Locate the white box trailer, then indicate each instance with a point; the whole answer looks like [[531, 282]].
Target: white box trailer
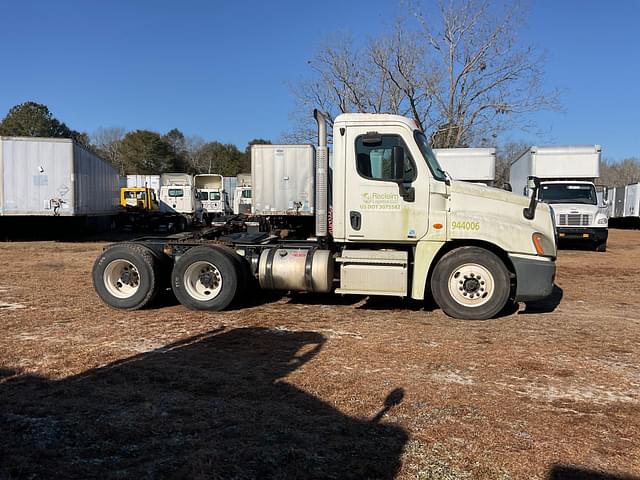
[[579, 162], [282, 179], [477, 165], [150, 181], [632, 200], [55, 176], [566, 176]]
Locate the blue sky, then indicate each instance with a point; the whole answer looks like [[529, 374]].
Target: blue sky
[[220, 70]]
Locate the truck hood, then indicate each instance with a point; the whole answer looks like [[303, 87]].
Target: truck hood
[[483, 191], [496, 216]]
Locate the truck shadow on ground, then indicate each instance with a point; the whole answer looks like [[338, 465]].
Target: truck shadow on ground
[[213, 406], [547, 305], [569, 472]]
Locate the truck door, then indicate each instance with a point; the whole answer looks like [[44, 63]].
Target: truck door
[[378, 208]]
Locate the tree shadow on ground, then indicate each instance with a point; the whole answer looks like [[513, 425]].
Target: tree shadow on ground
[[570, 472], [213, 406], [546, 305]]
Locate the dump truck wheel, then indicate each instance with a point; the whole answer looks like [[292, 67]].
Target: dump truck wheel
[[471, 283], [126, 277], [206, 278]]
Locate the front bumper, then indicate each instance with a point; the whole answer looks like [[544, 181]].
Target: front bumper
[[597, 235], [534, 277]]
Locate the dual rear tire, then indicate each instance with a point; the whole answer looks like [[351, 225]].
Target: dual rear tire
[[209, 277]]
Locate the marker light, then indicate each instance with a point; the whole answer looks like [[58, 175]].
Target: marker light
[[537, 242]]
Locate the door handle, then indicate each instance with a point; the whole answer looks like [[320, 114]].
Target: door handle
[[356, 220]]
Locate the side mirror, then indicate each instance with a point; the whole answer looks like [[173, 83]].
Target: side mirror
[[533, 185], [398, 163]]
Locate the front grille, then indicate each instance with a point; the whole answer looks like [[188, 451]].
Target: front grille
[[573, 219]]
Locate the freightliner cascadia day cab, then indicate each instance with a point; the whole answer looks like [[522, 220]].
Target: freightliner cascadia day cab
[[384, 220], [566, 177]]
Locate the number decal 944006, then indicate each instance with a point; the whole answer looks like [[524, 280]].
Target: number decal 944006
[[465, 225]]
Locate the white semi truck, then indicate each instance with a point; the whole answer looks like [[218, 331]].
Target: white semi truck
[[242, 201], [211, 193], [399, 227], [178, 195], [567, 176], [476, 165]]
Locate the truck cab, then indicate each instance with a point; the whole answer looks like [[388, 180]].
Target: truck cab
[[139, 199], [214, 200], [567, 174], [389, 190], [578, 213]]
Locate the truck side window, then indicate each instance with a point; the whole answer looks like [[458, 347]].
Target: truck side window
[[376, 162]]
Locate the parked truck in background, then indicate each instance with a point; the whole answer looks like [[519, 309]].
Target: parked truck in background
[[476, 165], [211, 193], [242, 201], [399, 227], [178, 195], [567, 175]]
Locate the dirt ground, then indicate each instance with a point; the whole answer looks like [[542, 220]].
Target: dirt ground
[[306, 386]]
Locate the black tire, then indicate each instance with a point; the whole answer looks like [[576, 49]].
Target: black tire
[[601, 247], [472, 299], [242, 268], [219, 278], [143, 270]]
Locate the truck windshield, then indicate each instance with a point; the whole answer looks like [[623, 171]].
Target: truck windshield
[[568, 193], [429, 157], [176, 192], [246, 194]]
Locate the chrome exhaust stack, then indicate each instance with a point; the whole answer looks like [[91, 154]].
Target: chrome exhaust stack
[[322, 168]]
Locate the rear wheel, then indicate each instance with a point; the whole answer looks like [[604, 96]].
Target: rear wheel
[[126, 276], [206, 278], [471, 283]]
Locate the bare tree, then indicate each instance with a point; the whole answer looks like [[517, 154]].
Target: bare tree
[[108, 142], [458, 71], [617, 174]]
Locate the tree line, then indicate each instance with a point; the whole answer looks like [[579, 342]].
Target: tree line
[[142, 152]]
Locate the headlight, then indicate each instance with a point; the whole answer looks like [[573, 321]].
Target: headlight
[[603, 221]]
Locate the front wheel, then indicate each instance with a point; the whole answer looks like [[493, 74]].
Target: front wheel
[[471, 283]]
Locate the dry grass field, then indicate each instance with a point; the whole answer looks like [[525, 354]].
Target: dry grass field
[[306, 386]]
